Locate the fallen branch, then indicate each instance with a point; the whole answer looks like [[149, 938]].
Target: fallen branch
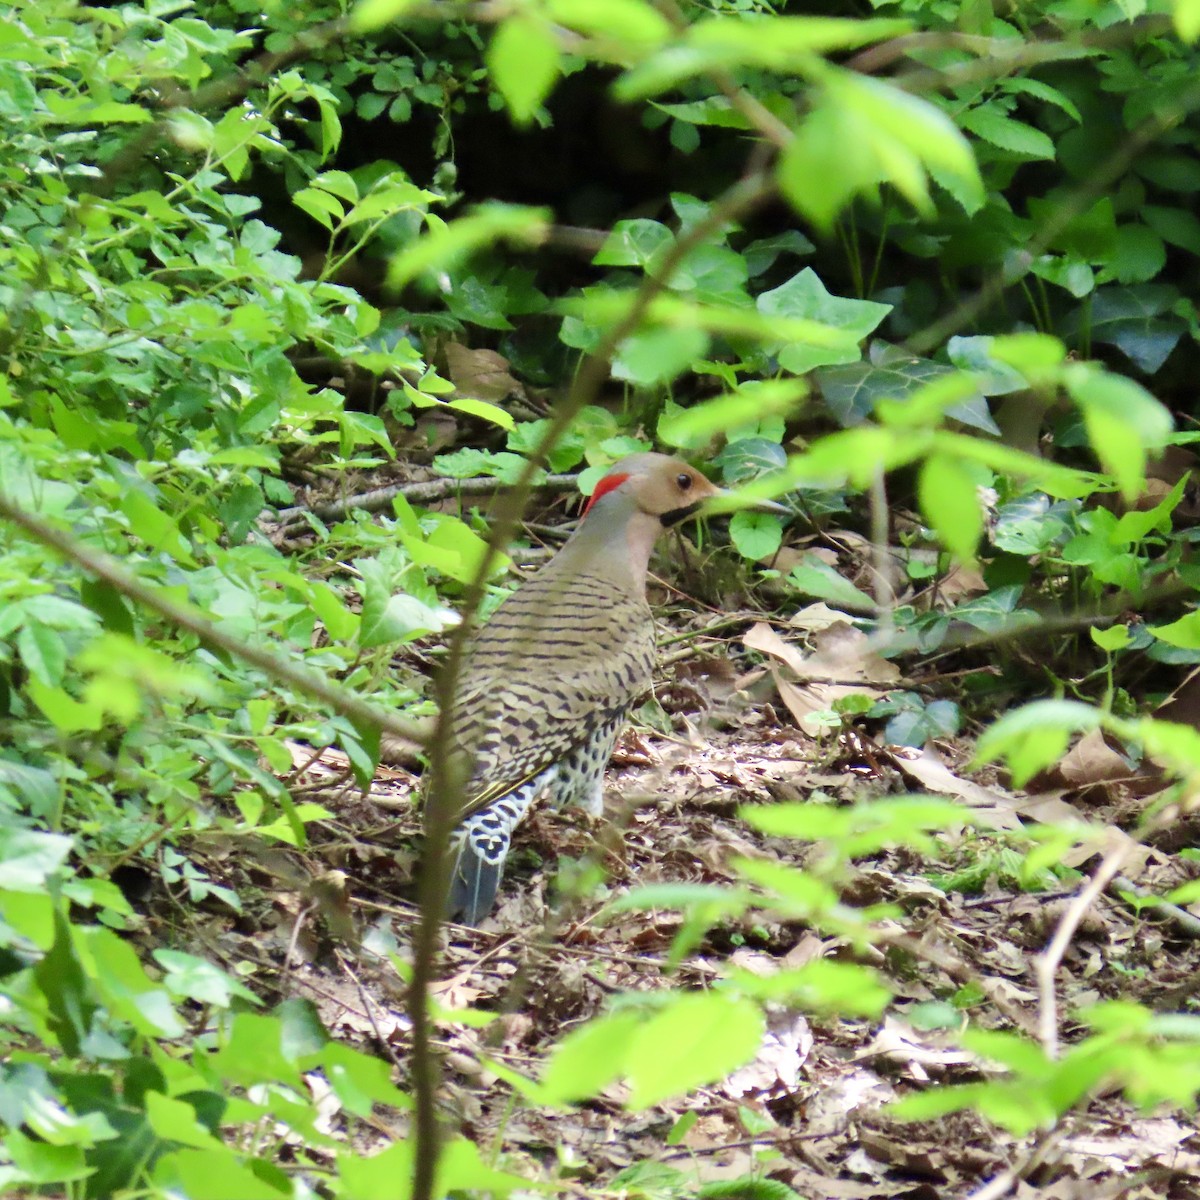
[[429, 491]]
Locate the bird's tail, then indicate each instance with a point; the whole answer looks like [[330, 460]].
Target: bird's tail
[[480, 846], [478, 859]]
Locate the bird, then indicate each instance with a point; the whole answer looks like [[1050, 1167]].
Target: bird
[[548, 681]]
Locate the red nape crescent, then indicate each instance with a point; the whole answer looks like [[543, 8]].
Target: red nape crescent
[[606, 485]]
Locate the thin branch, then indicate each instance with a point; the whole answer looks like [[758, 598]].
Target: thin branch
[[428, 491], [103, 566], [441, 799]]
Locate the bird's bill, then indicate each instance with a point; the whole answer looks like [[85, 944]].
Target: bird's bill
[[726, 501]]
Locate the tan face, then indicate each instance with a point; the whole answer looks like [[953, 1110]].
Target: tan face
[[668, 486]]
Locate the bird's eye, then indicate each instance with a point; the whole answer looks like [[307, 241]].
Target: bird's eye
[[684, 481]]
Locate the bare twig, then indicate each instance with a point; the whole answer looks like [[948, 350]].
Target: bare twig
[[1046, 964], [1184, 922]]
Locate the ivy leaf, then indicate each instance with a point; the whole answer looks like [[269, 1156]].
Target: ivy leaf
[[806, 297], [633, 243], [1137, 320], [853, 391]]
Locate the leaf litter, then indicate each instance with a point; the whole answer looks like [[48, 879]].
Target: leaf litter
[[809, 1111]]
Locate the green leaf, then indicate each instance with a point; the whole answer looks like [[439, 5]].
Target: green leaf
[[1124, 422], [523, 59], [1184, 632], [819, 580], [359, 1080], [43, 652], [121, 980], [805, 296], [696, 1039], [219, 1174], [994, 127], [319, 205], [629, 22], [903, 390], [788, 44], [388, 617], [658, 355], [69, 1000], [588, 1059], [1186, 15], [695, 426], [1114, 638], [862, 133], [1138, 255], [41, 1163], [197, 979], [176, 1121], [28, 859], [369, 15], [1179, 226], [254, 1053], [950, 501], [756, 535], [1034, 736], [633, 243], [1137, 320], [447, 245]]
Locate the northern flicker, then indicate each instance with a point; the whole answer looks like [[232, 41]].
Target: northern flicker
[[548, 682]]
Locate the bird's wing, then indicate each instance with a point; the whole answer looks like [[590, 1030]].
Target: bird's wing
[[553, 664]]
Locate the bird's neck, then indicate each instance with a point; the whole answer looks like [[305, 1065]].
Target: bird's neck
[[614, 540]]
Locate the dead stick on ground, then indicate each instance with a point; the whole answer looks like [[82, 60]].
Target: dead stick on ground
[[428, 491], [1046, 964]]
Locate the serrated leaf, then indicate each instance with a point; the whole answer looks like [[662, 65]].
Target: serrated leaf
[[1015, 136], [696, 1039]]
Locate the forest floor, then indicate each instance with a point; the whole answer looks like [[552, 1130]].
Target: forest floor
[[810, 1110]]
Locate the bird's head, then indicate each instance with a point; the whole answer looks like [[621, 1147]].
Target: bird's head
[[656, 485]]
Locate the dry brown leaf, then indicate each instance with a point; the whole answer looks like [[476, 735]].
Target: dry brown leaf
[[926, 766], [483, 374], [961, 583], [1091, 761], [816, 616], [839, 659]]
